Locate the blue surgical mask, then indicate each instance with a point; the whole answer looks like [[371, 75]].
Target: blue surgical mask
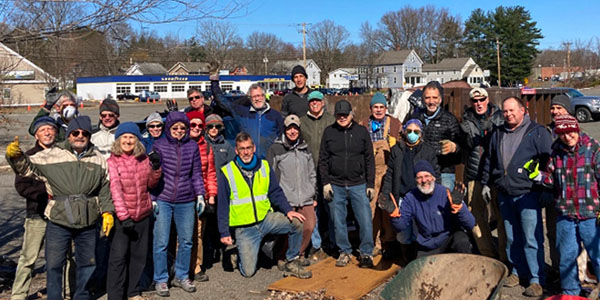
[[412, 137]]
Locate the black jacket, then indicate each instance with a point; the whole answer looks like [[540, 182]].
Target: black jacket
[[34, 191], [346, 156], [294, 103], [444, 126], [475, 136]]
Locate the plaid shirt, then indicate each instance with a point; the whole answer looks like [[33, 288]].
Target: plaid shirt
[[574, 174], [376, 135]]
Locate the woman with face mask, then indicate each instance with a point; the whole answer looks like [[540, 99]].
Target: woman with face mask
[[64, 104]]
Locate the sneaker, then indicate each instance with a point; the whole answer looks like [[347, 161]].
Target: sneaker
[[533, 290], [162, 289], [511, 281], [343, 260], [201, 276], [185, 284], [295, 268], [318, 254], [366, 261]]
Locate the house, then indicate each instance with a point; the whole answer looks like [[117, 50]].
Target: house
[[146, 69], [284, 67], [461, 68], [190, 68], [340, 78], [393, 69], [22, 82]]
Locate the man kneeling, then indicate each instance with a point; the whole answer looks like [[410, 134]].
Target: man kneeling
[[253, 189], [440, 223]]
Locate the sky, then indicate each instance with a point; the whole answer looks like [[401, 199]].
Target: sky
[[559, 20]]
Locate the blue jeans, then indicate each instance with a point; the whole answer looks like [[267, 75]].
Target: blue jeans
[[248, 239], [58, 241], [569, 235], [357, 195], [524, 234], [315, 238], [448, 180], [183, 214]]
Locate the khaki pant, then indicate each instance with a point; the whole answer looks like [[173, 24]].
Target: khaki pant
[[33, 240], [481, 231], [382, 227], [197, 249]]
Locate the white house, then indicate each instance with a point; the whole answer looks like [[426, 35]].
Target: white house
[[393, 69], [340, 78], [146, 69], [284, 67], [455, 69]]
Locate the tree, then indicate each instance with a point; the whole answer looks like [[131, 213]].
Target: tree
[[260, 45], [218, 40], [326, 41]]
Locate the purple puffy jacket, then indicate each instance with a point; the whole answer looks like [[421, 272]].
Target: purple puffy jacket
[[181, 165]]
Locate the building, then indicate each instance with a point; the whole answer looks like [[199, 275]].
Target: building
[[461, 68], [23, 82], [393, 69], [170, 86], [284, 67], [341, 78], [146, 69], [190, 68]]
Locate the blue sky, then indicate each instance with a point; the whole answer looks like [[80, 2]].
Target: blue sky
[[558, 20]]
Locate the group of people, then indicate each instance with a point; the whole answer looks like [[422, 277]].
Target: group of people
[[136, 202]]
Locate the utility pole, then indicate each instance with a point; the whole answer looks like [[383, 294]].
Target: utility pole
[[304, 43], [568, 45], [266, 61], [498, 57]]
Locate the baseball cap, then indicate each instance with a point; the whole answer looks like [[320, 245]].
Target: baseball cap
[[478, 93], [291, 120]]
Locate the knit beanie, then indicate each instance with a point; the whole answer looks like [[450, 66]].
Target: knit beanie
[[565, 124], [111, 105], [299, 70], [563, 101], [81, 122], [213, 118], [128, 127], [378, 98], [413, 121], [154, 117], [424, 166], [194, 114], [45, 120]]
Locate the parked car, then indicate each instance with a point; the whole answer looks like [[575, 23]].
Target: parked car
[[235, 93], [147, 95], [126, 96], [586, 108]]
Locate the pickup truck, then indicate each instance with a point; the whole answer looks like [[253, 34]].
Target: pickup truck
[[147, 95], [586, 108]]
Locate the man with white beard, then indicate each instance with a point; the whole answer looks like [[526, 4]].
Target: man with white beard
[[440, 222]]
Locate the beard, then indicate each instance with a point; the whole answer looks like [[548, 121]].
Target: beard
[[426, 189]]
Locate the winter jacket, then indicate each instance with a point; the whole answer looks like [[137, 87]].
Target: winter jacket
[[104, 138], [223, 151], [209, 174], [295, 170], [514, 180], [34, 191], [574, 175], [181, 164], [275, 195], [475, 134], [62, 125], [312, 131], [433, 217], [346, 156], [294, 103], [443, 126], [131, 178], [264, 126], [83, 178]]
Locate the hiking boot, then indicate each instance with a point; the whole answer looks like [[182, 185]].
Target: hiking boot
[[303, 262], [162, 289], [343, 260], [295, 268], [365, 261], [318, 254], [511, 281], [201, 276], [185, 284], [533, 290]]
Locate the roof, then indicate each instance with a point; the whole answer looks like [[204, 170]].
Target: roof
[[469, 70], [192, 66], [285, 66], [393, 57], [12, 52], [181, 78], [346, 70], [148, 68], [447, 64]]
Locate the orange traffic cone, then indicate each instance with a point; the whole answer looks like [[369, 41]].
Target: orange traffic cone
[[153, 101], [81, 104], [28, 107]]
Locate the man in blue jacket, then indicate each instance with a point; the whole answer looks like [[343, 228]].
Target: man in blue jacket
[[514, 150], [441, 224]]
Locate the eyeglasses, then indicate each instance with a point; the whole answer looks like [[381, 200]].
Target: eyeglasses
[[217, 126], [108, 115], [417, 131], [478, 100], [258, 96], [155, 126], [178, 128], [195, 98], [194, 125], [84, 133]]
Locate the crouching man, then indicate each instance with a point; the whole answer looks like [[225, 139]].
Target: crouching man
[[441, 223], [252, 190]]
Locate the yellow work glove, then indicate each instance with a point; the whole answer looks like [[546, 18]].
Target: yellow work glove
[[108, 221], [13, 150], [533, 167]]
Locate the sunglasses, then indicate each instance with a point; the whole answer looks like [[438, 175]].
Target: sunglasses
[[415, 131], [178, 128], [478, 100], [107, 115], [194, 125], [82, 132], [195, 98], [155, 126], [211, 126]]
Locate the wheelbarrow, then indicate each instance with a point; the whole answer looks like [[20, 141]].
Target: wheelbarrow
[[448, 277]]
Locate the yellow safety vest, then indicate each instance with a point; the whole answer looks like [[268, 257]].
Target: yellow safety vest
[[247, 206]]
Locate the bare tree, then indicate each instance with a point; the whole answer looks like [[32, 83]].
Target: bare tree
[[261, 45], [326, 41], [218, 40]]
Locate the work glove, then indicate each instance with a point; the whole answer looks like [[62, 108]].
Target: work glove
[[155, 208], [200, 205], [384, 202], [370, 193], [108, 221], [127, 226], [328, 192], [172, 105], [154, 158], [448, 146], [210, 209], [598, 220], [213, 77], [486, 193], [51, 98], [456, 202], [13, 150], [533, 167]]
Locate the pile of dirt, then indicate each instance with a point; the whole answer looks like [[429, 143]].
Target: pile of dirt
[[320, 295]]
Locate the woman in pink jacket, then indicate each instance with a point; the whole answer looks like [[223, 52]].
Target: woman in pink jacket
[[132, 174]]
